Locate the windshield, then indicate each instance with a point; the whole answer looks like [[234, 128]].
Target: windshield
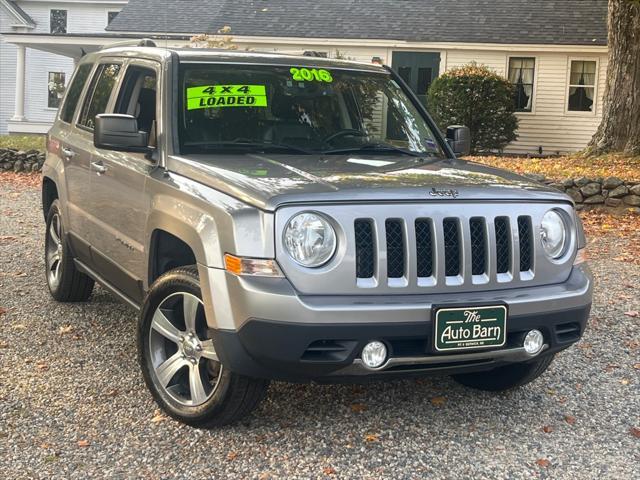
[[301, 110]]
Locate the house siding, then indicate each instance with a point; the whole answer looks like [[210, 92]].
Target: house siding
[[81, 18], [7, 76], [549, 125]]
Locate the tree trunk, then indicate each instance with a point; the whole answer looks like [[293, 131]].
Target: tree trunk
[[619, 130]]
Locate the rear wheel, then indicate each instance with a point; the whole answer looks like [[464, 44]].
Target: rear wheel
[[507, 377], [66, 283], [179, 362]]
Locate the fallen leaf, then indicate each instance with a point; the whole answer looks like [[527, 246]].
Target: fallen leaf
[[42, 366], [611, 367], [372, 437], [438, 401], [543, 462], [632, 313], [112, 393], [3, 311], [158, 418], [358, 407], [547, 429], [625, 381], [571, 420], [67, 329], [232, 456], [329, 471], [83, 443], [636, 366], [635, 431]]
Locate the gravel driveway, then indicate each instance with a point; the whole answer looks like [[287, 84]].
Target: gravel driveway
[[73, 403]]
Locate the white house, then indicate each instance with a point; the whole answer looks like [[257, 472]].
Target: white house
[[554, 51], [33, 77]]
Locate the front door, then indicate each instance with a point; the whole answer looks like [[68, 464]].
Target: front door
[[417, 69], [120, 202]]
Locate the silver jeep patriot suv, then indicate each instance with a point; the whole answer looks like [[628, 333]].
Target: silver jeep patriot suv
[[292, 218]]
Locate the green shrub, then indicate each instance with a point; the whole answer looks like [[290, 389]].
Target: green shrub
[[23, 142], [474, 96]]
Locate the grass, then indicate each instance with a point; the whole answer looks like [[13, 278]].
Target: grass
[[570, 166], [23, 142]]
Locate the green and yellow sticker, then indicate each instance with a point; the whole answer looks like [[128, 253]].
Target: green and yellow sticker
[[219, 96]]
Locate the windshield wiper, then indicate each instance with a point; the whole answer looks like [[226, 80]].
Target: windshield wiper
[[376, 147], [252, 145]]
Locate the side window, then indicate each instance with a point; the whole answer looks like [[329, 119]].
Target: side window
[[137, 97], [521, 75], [582, 85], [73, 94], [98, 95]]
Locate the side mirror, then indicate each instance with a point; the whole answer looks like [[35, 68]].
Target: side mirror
[[459, 139], [114, 131]]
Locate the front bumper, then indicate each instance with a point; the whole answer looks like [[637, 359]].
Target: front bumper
[[262, 328]]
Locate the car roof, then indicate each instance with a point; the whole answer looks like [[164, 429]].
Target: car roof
[[234, 56]]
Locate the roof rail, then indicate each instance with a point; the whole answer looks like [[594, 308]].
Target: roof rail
[[145, 42]]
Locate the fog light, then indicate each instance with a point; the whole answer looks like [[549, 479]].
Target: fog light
[[374, 354], [533, 342]]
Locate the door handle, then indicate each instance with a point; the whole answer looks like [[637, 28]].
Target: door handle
[[99, 167], [68, 153]]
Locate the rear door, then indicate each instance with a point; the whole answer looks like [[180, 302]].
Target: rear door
[[75, 166], [96, 100], [120, 204]]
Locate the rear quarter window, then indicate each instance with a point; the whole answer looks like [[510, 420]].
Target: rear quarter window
[[99, 93], [73, 94]]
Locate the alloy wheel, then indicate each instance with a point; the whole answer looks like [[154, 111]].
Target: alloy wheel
[[184, 361]]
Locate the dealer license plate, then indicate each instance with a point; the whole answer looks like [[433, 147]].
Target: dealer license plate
[[470, 328]]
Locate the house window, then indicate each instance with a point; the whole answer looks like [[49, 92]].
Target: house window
[[582, 85], [521, 74], [111, 17], [56, 87], [58, 22]]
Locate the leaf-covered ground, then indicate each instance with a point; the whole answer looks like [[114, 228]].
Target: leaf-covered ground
[[570, 166]]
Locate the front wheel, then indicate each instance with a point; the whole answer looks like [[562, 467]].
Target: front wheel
[[179, 362], [507, 377]]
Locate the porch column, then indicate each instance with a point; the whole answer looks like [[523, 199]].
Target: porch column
[[18, 115]]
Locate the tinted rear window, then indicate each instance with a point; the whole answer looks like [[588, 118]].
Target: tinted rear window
[[73, 94]]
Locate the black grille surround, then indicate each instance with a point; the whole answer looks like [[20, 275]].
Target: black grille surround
[[424, 247], [451, 246], [526, 243], [395, 248], [478, 246], [503, 245], [365, 248]]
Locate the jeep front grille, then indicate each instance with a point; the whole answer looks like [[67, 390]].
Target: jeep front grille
[[430, 248], [399, 253]]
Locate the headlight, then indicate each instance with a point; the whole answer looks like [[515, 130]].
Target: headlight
[[553, 234], [310, 239]]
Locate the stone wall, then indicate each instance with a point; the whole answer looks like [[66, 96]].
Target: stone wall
[[608, 192], [20, 161]]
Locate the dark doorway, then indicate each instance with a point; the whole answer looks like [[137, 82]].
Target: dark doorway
[[418, 69]]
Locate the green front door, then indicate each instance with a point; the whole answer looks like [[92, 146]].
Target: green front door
[[418, 69]]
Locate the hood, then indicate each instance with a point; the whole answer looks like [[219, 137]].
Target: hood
[[268, 181]]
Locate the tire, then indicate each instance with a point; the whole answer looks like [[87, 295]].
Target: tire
[[66, 283], [179, 363], [507, 377]]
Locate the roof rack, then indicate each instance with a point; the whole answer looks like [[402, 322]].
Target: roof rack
[[145, 42]]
